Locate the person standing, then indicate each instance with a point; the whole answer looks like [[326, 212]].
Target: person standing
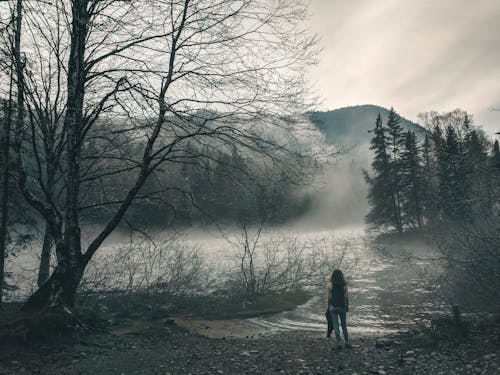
[[338, 306]]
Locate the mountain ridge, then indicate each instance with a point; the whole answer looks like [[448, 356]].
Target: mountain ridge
[[350, 126]]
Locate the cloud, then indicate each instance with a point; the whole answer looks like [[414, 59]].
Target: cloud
[[414, 55]]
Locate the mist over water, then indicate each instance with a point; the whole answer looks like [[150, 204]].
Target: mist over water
[[341, 201], [385, 295]]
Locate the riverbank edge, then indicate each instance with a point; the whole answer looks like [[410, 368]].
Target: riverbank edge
[[159, 346], [98, 311]]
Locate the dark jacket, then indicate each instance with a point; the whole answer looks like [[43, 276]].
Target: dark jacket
[[344, 304]]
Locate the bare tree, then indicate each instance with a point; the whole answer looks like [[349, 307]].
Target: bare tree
[[45, 101], [6, 122], [14, 67], [155, 74]]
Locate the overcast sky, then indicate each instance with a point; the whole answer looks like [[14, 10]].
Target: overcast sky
[[415, 55]]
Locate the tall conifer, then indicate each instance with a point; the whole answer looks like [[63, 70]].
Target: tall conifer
[[412, 182], [395, 144], [379, 192]]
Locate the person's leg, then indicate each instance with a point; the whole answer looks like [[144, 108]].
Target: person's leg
[[343, 321], [335, 322]]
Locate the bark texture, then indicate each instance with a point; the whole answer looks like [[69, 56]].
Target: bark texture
[[44, 269], [58, 291]]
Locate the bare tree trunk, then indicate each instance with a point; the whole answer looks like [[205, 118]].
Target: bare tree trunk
[[48, 240], [5, 200], [7, 146], [60, 288], [5, 190], [73, 122], [44, 269]]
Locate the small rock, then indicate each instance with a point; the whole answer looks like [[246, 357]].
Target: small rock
[[383, 343]]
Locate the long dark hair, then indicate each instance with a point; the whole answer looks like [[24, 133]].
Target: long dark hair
[[338, 278]]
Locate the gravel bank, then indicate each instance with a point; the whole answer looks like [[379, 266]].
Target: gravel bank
[[162, 347]]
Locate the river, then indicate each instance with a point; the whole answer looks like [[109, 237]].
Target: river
[[386, 295]]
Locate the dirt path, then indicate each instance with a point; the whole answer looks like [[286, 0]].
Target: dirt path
[[161, 347]]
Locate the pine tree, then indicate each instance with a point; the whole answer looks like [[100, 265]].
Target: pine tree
[[458, 173], [379, 193], [446, 158], [495, 157], [454, 183], [395, 146], [475, 166], [412, 182], [429, 208]]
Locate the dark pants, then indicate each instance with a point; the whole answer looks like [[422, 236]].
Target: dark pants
[[336, 313]]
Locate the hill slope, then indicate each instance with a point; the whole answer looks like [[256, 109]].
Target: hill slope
[[349, 126], [342, 200]]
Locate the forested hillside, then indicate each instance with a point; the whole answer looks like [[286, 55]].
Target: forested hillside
[[350, 126]]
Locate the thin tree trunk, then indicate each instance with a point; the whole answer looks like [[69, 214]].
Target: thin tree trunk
[[44, 269], [20, 113], [5, 191]]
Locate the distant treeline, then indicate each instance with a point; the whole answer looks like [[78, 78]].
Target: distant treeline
[[221, 186], [205, 184], [451, 175]]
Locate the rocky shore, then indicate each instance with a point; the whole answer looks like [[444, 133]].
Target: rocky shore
[[162, 347]]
